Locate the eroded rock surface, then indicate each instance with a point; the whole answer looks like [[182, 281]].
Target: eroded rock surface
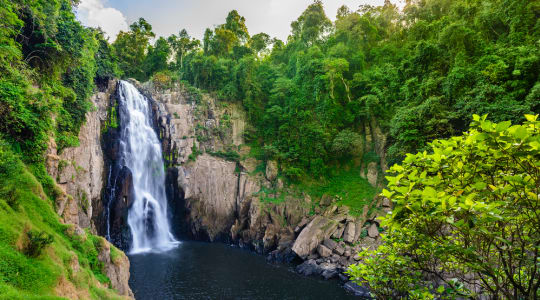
[[79, 170]]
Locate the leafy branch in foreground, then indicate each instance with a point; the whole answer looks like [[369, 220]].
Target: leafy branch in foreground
[[466, 218]]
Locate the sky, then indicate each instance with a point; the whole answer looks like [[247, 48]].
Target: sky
[[170, 16]]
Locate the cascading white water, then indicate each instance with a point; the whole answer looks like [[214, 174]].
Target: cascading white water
[[141, 150]]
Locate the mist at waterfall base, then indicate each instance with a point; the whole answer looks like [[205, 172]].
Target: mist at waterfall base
[[199, 270], [163, 268], [141, 153]]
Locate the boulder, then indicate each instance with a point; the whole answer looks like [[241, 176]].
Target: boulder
[[316, 231], [339, 250], [330, 244], [324, 251], [349, 234], [329, 270], [373, 231], [309, 267], [358, 229]]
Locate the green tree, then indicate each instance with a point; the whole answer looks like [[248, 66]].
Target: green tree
[[130, 47], [312, 25], [465, 220], [259, 42], [157, 57], [181, 45]]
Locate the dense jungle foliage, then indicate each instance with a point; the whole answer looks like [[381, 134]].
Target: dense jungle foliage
[[421, 73], [48, 65]]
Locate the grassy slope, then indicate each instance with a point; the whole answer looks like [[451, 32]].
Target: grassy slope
[[24, 206], [344, 183]]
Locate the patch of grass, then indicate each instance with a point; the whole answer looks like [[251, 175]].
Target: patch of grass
[[270, 195], [35, 222], [351, 189]]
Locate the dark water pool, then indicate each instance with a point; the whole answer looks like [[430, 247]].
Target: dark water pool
[[198, 270]]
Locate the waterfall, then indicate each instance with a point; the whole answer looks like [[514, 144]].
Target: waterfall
[[140, 150]]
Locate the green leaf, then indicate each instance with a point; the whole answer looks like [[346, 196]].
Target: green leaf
[[429, 192], [503, 126], [480, 185], [520, 132], [531, 118]]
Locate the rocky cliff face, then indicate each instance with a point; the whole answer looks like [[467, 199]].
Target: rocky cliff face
[[230, 198], [79, 173]]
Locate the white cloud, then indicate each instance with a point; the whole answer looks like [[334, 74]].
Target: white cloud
[[93, 13]]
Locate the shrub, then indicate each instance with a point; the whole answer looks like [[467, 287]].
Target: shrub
[[37, 241], [466, 215]]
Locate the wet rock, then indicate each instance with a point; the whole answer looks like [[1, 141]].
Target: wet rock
[[309, 267], [357, 290], [328, 270], [313, 256]]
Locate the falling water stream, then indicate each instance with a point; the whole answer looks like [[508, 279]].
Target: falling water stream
[[141, 151]]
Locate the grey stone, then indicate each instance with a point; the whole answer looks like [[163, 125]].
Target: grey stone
[[330, 244], [323, 251], [349, 233], [319, 228], [373, 231], [339, 250]]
